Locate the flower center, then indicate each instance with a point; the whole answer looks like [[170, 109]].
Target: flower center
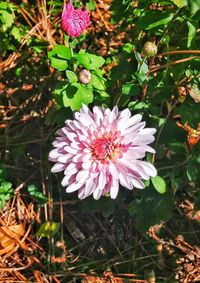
[[103, 149]]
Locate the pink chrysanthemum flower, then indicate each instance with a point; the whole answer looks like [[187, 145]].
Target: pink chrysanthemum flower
[[74, 21], [101, 149]]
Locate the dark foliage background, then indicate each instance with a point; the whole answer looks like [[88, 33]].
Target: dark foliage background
[[150, 235]]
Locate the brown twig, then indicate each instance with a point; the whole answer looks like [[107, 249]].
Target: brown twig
[[153, 70], [178, 52], [101, 16]]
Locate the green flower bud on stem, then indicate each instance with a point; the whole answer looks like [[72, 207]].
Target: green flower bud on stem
[[149, 49]]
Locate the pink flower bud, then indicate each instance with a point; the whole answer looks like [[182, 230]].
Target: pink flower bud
[[85, 76], [74, 21]]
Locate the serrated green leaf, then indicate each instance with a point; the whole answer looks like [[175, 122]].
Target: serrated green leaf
[[6, 186], [159, 184], [77, 94], [16, 33], [6, 192], [7, 19]]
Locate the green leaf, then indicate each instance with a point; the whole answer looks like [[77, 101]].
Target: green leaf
[[16, 33], [89, 61], [48, 229], [147, 183], [72, 77], [91, 6], [159, 184], [61, 51], [179, 3], [130, 89], [138, 106], [6, 186], [6, 192], [138, 57], [194, 6], [153, 19], [143, 68], [7, 16], [151, 208], [141, 77], [101, 97], [1, 203], [36, 195], [60, 90], [192, 171], [31, 188], [77, 94], [3, 5], [98, 82], [84, 60], [191, 32], [158, 121], [59, 56], [96, 61], [8, 20], [59, 64], [126, 88], [128, 47]]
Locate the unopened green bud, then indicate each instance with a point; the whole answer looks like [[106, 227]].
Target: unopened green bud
[[149, 49]]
